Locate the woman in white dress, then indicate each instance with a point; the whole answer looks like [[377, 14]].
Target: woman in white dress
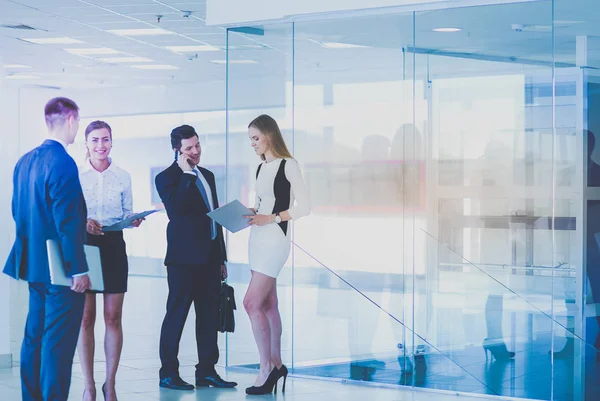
[[278, 183]]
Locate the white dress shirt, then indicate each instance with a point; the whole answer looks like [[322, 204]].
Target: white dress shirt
[[107, 194]]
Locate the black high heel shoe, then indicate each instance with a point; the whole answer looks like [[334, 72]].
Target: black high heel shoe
[[282, 372], [268, 385], [498, 350]]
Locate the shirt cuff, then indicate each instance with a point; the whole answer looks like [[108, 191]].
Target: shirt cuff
[[80, 274]]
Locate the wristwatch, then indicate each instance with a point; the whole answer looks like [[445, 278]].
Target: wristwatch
[[277, 218]]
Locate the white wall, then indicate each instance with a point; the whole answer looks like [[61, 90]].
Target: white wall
[[9, 143]]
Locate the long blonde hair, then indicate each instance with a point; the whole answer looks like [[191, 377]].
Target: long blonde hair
[[268, 127]]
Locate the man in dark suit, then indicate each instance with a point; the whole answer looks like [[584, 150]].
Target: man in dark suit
[[195, 262], [47, 204]]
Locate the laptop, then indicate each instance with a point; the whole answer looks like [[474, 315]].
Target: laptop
[[57, 272]]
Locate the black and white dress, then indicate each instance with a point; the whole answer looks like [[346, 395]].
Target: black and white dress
[[278, 184], [109, 199]]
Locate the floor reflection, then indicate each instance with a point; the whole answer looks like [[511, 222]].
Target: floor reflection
[[528, 375]]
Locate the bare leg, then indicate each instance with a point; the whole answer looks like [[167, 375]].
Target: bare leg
[[85, 347], [271, 309], [113, 340], [258, 290]]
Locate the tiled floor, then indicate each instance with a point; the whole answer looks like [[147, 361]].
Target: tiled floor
[[321, 351], [137, 384]]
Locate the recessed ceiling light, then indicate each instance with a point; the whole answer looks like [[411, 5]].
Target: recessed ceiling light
[[193, 48], [338, 45], [446, 29], [234, 61], [95, 51], [124, 59], [52, 41], [22, 76], [141, 32], [16, 66], [155, 67]]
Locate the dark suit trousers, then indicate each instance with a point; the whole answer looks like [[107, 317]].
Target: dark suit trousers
[[199, 284], [51, 333]]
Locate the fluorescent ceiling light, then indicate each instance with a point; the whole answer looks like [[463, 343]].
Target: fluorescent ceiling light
[[446, 29], [95, 51], [155, 67], [52, 41], [234, 61], [124, 59], [338, 45], [141, 32], [16, 66], [240, 47], [194, 48], [22, 76]]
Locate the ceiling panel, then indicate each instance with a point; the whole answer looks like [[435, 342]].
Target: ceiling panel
[[485, 31]]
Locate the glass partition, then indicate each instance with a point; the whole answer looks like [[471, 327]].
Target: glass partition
[[355, 129], [260, 76], [441, 150]]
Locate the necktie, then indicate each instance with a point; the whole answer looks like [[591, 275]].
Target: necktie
[[213, 226]]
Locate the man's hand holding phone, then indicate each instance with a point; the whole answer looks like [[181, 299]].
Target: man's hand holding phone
[[184, 162]]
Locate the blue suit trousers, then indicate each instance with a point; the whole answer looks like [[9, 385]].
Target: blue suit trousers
[[51, 334]]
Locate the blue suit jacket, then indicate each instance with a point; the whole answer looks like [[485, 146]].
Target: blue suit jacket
[[47, 204], [188, 232]]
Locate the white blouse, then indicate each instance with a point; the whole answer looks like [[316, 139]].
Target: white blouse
[[107, 194]]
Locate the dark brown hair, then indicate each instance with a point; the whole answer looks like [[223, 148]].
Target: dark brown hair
[[268, 127]]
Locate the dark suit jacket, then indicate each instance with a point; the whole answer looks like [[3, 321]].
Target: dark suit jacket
[[47, 204], [188, 232]]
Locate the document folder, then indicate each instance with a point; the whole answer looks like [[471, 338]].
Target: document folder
[[231, 216], [57, 270], [123, 224]]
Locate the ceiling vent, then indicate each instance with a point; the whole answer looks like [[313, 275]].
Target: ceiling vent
[[22, 27]]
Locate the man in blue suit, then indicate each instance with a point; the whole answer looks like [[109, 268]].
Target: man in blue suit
[[47, 204]]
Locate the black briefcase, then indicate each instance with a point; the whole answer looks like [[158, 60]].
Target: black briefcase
[[226, 308]]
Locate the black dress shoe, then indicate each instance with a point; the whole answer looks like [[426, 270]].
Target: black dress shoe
[[214, 380], [175, 383]]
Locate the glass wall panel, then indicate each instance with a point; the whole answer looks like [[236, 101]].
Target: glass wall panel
[[490, 204], [356, 126], [450, 244], [260, 72], [577, 56]]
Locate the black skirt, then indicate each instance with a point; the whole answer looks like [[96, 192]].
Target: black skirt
[[113, 257]]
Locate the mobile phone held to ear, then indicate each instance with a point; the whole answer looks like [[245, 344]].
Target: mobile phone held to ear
[[177, 153]]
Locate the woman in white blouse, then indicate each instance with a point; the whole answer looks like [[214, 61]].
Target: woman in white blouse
[[108, 196], [280, 197]]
